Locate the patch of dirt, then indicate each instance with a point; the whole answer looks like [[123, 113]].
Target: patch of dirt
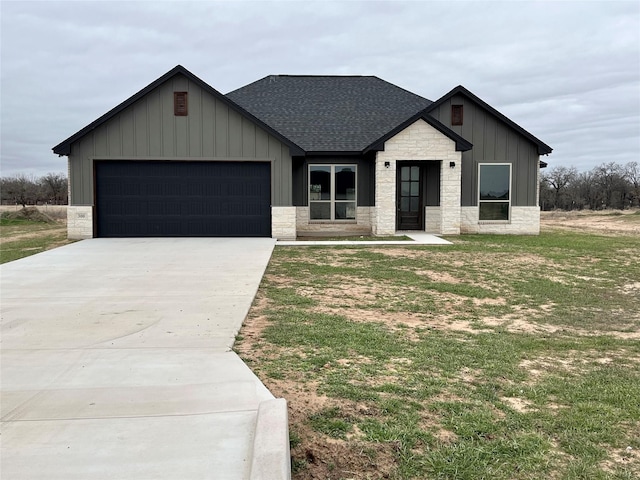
[[607, 222], [520, 405], [438, 276], [626, 458], [320, 457], [631, 288]]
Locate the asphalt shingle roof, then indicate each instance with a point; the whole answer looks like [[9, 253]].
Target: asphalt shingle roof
[[329, 113]]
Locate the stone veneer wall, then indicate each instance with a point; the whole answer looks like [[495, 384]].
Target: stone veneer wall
[[283, 223], [79, 222], [524, 221], [432, 219], [419, 141], [362, 225]]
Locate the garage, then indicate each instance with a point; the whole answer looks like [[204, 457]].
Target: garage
[[182, 199]]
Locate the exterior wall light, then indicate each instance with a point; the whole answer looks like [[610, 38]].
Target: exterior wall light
[[387, 164], [452, 164]]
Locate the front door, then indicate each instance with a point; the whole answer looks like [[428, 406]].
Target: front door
[[410, 204]]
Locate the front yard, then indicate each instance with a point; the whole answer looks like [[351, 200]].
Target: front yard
[[499, 357]]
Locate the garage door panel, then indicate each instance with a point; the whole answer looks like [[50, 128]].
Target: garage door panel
[[157, 198]]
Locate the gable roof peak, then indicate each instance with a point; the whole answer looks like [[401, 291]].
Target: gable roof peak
[[64, 147], [543, 148]]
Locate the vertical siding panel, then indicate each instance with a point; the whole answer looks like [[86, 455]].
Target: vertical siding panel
[[248, 138], [208, 126], [512, 157], [478, 126], [221, 130], [235, 134], [501, 151], [489, 138], [115, 140], [155, 124], [195, 121], [277, 180], [141, 120], [262, 143], [167, 125], [127, 132], [286, 161], [100, 142]]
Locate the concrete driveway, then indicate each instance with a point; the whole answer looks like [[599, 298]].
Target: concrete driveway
[[116, 362]]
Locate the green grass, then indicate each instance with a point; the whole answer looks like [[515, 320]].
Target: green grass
[[543, 381], [22, 238]]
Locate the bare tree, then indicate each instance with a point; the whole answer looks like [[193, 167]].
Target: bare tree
[[612, 184], [55, 188], [21, 189], [557, 181], [632, 174]]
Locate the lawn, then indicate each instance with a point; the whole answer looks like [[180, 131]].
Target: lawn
[[20, 238], [499, 357]]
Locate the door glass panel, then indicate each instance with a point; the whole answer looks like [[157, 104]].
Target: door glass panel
[[404, 204], [405, 173], [405, 188], [415, 189], [414, 204], [415, 173]]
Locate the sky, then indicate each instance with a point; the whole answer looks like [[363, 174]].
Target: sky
[[566, 71]]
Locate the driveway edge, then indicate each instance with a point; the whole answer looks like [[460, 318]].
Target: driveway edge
[[271, 454]]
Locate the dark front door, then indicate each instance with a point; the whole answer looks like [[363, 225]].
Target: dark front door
[[409, 202]]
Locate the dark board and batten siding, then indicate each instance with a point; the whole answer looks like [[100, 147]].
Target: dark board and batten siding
[[148, 130], [493, 142]]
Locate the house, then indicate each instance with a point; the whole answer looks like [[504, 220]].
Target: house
[[290, 156]]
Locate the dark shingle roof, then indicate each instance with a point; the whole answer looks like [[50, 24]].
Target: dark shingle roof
[[329, 113]]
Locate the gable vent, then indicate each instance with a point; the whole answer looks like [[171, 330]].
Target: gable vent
[[180, 104], [456, 114]]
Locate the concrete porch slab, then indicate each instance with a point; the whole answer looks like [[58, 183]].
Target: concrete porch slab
[[418, 238]]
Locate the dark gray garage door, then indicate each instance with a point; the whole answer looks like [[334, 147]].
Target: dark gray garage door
[[183, 199]]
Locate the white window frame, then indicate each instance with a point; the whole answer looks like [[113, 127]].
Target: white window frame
[[332, 188], [508, 220]]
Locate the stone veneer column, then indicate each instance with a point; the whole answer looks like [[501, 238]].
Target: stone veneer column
[[450, 186], [419, 141], [283, 223], [79, 222]]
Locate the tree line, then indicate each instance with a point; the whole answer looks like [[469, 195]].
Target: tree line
[[24, 190], [609, 185]]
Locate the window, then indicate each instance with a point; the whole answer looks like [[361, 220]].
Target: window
[[180, 104], [456, 114], [332, 192], [494, 191]]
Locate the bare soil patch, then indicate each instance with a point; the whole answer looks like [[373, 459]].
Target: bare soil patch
[[606, 222]]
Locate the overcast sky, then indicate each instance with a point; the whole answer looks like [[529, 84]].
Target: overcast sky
[[568, 72]]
